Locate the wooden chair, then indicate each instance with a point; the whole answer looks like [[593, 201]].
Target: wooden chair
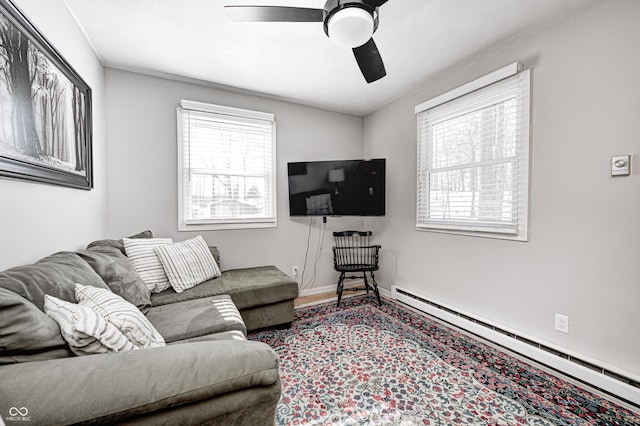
[[354, 253]]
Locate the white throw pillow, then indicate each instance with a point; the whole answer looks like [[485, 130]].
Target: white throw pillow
[[123, 315], [188, 263], [140, 252], [86, 331]]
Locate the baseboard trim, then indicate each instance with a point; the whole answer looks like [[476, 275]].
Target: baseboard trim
[[384, 292], [332, 289], [619, 384]]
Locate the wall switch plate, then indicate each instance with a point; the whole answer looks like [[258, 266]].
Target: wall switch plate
[[562, 323], [621, 165], [294, 271]]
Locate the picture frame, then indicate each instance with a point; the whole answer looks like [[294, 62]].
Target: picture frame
[[45, 108]]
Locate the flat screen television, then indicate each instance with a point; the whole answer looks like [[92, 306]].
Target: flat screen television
[[337, 188]]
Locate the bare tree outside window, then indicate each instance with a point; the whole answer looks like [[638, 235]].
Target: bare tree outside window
[[473, 160], [227, 167]]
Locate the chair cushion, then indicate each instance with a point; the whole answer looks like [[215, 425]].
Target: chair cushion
[[195, 318], [248, 287]]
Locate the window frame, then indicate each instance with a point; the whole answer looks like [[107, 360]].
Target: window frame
[[517, 232], [233, 114]]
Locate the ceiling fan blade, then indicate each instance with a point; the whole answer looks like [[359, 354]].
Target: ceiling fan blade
[[273, 14], [375, 3], [370, 61]]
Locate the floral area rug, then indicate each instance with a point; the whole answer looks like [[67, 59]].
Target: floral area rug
[[361, 364]]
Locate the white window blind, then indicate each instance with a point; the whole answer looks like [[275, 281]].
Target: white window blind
[[226, 167], [473, 162]]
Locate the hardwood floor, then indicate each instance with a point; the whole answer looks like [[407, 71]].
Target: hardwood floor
[[325, 297]]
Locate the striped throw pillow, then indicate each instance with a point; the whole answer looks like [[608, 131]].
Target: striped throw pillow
[[188, 263], [123, 315], [85, 331], [140, 252]]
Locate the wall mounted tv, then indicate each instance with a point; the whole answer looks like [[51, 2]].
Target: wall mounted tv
[[337, 188]]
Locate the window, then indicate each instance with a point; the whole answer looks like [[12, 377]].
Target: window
[[226, 168], [473, 158]]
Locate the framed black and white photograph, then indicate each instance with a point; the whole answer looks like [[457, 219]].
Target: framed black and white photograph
[[45, 108]]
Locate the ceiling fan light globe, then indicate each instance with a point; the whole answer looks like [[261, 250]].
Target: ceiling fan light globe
[[350, 27]]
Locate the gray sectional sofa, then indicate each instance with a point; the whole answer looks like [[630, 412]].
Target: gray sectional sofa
[[208, 373]]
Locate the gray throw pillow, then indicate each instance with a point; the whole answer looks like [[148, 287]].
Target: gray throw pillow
[[119, 274], [24, 330], [216, 255], [118, 243], [55, 275]]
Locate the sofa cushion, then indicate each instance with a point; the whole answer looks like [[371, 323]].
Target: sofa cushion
[[123, 315], [223, 335], [195, 318], [85, 330], [248, 287], [118, 244], [126, 387], [25, 330], [187, 263], [7, 358], [56, 275], [141, 253], [118, 273], [258, 317]]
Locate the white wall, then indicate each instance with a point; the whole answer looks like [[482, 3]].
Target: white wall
[[142, 169], [583, 257], [37, 219]]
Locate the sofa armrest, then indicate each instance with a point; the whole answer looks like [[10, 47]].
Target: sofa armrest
[[110, 387]]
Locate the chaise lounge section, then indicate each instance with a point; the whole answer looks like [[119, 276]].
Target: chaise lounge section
[[264, 295]]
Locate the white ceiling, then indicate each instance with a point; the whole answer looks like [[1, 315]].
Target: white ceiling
[[418, 41]]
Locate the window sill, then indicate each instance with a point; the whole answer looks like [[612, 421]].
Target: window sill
[[482, 234], [225, 226]]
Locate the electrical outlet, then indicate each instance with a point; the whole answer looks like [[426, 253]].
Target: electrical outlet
[[294, 271], [562, 323]]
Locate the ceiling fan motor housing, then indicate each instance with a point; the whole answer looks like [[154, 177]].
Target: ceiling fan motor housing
[[332, 7]]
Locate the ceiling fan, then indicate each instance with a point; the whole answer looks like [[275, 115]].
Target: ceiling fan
[[347, 23]]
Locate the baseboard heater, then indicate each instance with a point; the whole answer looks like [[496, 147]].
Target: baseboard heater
[[614, 383]]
